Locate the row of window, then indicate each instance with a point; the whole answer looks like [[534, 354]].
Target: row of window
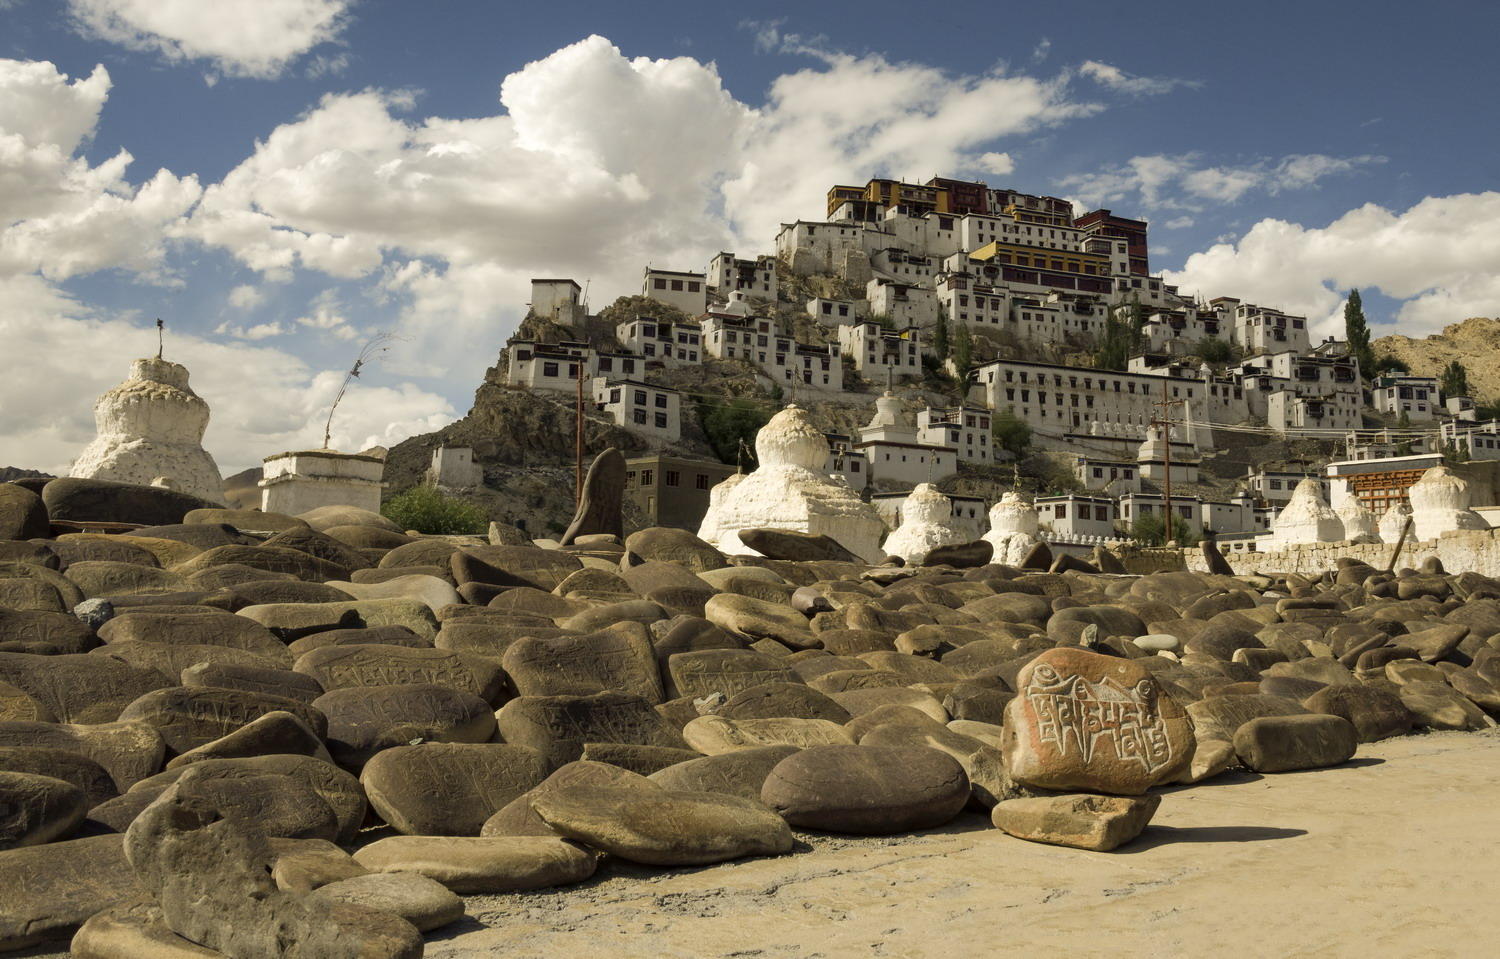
[[670, 477], [693, 286]]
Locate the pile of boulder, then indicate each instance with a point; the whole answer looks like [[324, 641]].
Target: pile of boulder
[[240, 733]]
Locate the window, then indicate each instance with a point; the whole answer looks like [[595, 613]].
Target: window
[[676, 286], [605, 364], [639, 397], [549, 369], [700, 482], [694, 286], [658, 284], [639, 418], [661, 400], [673, 477], [648, 477], [661, 421]]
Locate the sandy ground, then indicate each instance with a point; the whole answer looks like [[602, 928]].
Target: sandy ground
[[1392, 854]]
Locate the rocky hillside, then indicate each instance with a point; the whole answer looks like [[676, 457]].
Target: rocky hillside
[[1475, 343]]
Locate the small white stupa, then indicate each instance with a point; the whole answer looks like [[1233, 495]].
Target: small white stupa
[[1440, 504], [926, 523], [790, 490], [1013, 529], [1393, 520], [149, 427], [1306, 518], [1360, 525]]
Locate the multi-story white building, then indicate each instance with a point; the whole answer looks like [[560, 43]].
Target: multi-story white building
[[1056, 400], [672, 344], [686, 291], [1075, 515], [813, 246], [548, 366], [1114, 476], [833, 312], [904, 304], [895, 454], [557, 300], [780, 357], [966, 429], [1260, 329], [917, 269], [845, 462], [755, 278], [880, 355], [640, 407], [1416, 396], [1275, 486], [1327, 372], [1287, 410]]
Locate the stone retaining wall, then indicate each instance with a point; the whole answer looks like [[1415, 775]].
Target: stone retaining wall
[[1460, 551]]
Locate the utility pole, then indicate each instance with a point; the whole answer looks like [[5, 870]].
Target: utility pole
[[160, 326], [578, 438], [1165, 422]]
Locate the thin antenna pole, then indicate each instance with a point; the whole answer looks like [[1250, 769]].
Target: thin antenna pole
[[578, 439]]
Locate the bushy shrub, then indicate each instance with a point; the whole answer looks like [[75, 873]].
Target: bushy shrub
[[424, 509]]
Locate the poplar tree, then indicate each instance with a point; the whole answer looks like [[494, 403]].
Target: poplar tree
[[1357, 333]]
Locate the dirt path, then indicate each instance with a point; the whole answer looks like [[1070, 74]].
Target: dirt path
[[1392, 854]]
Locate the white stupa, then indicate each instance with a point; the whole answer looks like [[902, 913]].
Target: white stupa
[[926, 523], [1306, 518], [1392, 521], [1360, 525], [150, 427], [790, 490], [1440, 504], [1013, 529]]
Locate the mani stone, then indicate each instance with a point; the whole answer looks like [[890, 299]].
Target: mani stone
[[1217, 717], [128, 751], [191, 716], [476, 865], [600, 506], [272, 804], [794, 545], [208, 628], [212, 878], [133, 929], [350, 667], [618, 658], [1274, 744], [558, 726], [448, 789], [79, 688], [712, 735], [22, 515], [758, 619], [1375, 713], [49, 890], [667, 545], [782, 700], [1100, 823], [275, 733], [867, 790], [97, 500], [665, 828], [519, 819], [531, 566], [90, 777], [1082, 721], [364, 720], [425, 903], [644, 760], [37, 809], [303, 865], [228, 674], [727, 671], [739, 773]]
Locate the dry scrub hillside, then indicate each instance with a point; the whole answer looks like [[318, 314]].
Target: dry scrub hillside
[[1475, 343]]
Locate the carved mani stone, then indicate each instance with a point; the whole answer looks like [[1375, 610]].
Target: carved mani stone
[[599, 510], [1082, 721]]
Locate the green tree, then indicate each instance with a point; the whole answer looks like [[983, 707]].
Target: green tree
[[1387, 364], [1454, 380], [963, 351], [728, 424], [1214, 350], [942, 348], [1149, 529], [426, 510], [1011, 433], [1357, 332], [1122, 337]]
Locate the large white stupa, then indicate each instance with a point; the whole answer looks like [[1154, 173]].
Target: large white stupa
[[150, 428], [926, 523], [1440, 504], [790, 490], [1306, 518], [1013, 528]]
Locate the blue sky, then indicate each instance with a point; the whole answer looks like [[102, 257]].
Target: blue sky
[[354, 167]]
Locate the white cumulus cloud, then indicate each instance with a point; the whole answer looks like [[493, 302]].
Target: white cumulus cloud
[[1184, 182], [1438, 258], [253, 38], [1120, 81]]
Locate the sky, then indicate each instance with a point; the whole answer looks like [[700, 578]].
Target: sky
[[283, 180]]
